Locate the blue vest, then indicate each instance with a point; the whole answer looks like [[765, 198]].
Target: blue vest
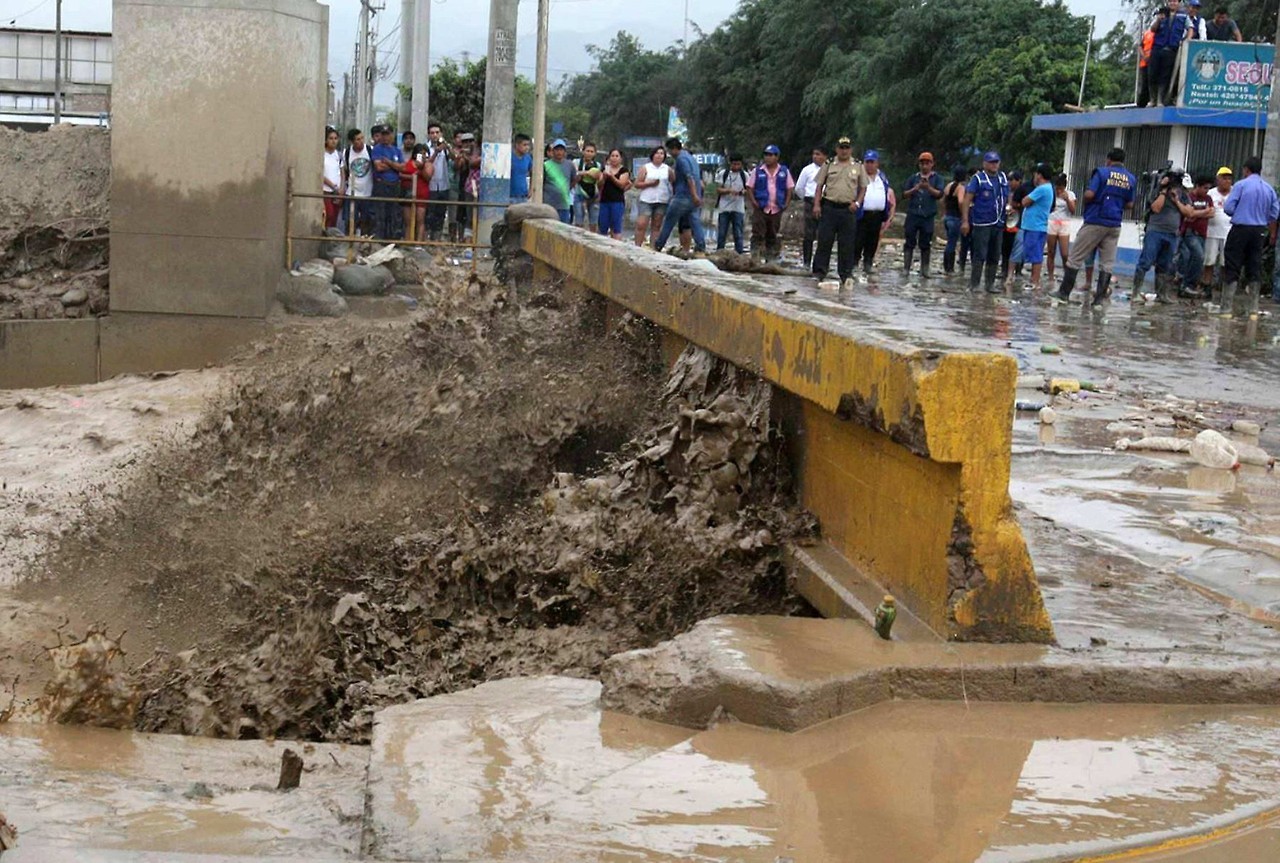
[[988, 198], [760, 188]]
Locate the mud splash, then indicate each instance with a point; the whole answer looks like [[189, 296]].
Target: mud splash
[[381, 515]]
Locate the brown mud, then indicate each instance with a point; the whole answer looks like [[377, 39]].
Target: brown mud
[[380, 512], [54, 222]]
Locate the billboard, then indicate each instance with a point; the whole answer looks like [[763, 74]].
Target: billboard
[[1232, 75]]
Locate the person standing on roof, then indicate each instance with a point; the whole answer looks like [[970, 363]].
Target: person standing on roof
[[771, 188], [1222, 28], [982, 219], [1144, 65], [1172, 28], [806, 190], [923, 191], [1254, 210], [1196, 25], [837, 189], [876, 205], [1107, 196]]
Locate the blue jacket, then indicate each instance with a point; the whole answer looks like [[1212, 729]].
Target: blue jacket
[[1171, 30], [1113, 188], [760, 186], [988, 198]]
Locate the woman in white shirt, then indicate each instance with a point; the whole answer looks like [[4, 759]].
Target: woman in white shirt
[[1064, 207], [332, 178], [654, 183]]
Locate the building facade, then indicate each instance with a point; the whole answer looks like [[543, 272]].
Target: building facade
[[28, 61]]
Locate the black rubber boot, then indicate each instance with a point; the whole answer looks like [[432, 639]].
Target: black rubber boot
[[1103, 289], [906, 261], [924, 264], [1068, 284], [1228, 300], [1164, 289], [1253, 293]]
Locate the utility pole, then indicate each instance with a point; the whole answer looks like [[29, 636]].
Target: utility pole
[[421, 67], [372, 83], [404, 116], [499, 103], [1088, 49], [57, 65], [684, 46], [362, 69], [540, 102], [1271, 142]]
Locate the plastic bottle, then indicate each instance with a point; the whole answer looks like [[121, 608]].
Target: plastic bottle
[[1050, 349], [1028, 406], [1063, 385], [886, 614]]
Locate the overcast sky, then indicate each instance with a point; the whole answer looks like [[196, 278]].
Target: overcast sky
[[461, 26]]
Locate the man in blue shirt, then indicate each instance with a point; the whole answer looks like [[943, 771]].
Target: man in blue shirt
[[923, 191], [1035, 220], [1171, 28], [685, 210], [1254, 208], [982, 213], [1109, 193], [388, 162], [521, 166]]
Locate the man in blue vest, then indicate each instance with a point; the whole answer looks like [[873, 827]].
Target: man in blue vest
[[1172, 28], [982, 216], [771, 186], [1109, 193]]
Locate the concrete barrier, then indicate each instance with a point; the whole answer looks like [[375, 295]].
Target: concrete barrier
[[903, 453]]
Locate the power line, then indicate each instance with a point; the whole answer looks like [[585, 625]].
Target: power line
[[34, 8]]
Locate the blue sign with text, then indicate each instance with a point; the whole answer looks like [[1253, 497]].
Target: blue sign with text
[[1227, 75]]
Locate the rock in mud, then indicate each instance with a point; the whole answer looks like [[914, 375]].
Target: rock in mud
[[518, 213], [358, 280], [412, 268], [332, 248], [310, 296]]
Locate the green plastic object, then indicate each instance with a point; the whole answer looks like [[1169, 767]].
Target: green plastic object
[[886, 614]]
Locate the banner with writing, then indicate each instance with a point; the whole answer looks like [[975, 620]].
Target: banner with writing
[[1235, 75]]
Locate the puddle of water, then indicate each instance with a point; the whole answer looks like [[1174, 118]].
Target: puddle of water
[[86, 787], [897, 783]]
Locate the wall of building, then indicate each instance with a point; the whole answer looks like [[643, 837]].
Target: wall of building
[[215, 103]]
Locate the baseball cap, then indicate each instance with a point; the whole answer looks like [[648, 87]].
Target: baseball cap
[[772, 150], [1195, 2], [467, 136], [991, 156], [926, 156], [558, 142], [1224, 171], [871, 156], [844, 141]]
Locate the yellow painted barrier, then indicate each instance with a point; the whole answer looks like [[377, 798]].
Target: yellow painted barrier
[[904, 453]]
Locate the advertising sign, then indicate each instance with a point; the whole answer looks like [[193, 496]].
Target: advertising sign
[[675, 124], [1233, 75]]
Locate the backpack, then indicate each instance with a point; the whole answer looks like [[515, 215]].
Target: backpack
[[724, 176]]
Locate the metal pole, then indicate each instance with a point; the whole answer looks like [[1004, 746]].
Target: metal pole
[[403, 109], [372, 83], [499, 103], [362, 69], [421, 107], [684, 45], [1271, 140], [57, 65], [540, 102], [1088, 48]]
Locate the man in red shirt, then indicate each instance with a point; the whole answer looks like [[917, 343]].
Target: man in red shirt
[[1193, 230]]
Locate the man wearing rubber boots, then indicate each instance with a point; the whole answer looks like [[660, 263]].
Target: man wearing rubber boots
[[1110, 192], [1254, 209], [982, 213]]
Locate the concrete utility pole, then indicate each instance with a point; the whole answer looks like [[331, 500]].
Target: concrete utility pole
[[540, 102], [57, 64], [499, 103], [362, 69], [421, 68], [404, 117], [1271, 143], [371, 84]]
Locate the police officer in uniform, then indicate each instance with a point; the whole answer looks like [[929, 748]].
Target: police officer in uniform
[[982, 216], [836, 191]]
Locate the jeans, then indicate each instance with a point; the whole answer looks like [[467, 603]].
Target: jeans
[[1157, 250], [836, 225], [810, 231], [682, 208], [954, 237], [566, 216], [724, 222], [919, 232], [1191, 260], [586, 213], [986, 241], [387, 215], [437, 211]]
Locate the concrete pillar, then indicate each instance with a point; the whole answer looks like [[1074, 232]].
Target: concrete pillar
[[404, 105], [499, 103], [421, 66], [215, 103], [1271, 139]]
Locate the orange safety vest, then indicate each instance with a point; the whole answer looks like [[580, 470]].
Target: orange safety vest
[[1148, 39]]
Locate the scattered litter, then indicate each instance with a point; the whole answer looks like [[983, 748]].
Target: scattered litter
[[1050, 349], [1246, 427], [1063, 385], [1213, 450], [1029, 407], [381, 256], [1048, 416], [1250, 454], [1156, 444]]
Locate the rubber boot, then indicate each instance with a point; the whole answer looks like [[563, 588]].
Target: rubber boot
[[1068, 284], [924, 264], [1227, 302], [1164, 289], [906, 261], [1253, 293], [1103, 289]]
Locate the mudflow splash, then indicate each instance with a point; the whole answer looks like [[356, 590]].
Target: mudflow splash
[[376, 514]]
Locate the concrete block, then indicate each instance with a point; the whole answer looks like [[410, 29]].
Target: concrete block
[[48, 353], [906, 450], [185, 275], [149, 343]]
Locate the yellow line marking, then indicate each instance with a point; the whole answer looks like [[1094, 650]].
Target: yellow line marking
[[1185, 842]]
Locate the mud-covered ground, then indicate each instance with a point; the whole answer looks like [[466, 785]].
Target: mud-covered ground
[[54, 188], [378, 512]]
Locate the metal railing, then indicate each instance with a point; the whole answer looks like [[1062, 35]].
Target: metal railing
[[350, 201]]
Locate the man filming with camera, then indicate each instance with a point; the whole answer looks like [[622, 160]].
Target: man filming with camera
[[1164, 218]]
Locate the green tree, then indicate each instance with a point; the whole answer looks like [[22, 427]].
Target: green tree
[[627, 93]]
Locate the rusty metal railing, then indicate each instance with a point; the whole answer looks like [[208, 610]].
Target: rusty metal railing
[[412, 203]]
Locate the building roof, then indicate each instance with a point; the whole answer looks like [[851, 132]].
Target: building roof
[[1114, 117], [50, 31]]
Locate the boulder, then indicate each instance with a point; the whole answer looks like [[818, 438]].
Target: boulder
[[358, 280], [311, 296], [412, 268], [518, 213], [75, 297], [331, 249]]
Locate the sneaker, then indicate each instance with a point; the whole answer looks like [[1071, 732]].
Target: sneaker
[[829, 284], [847, 284]]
